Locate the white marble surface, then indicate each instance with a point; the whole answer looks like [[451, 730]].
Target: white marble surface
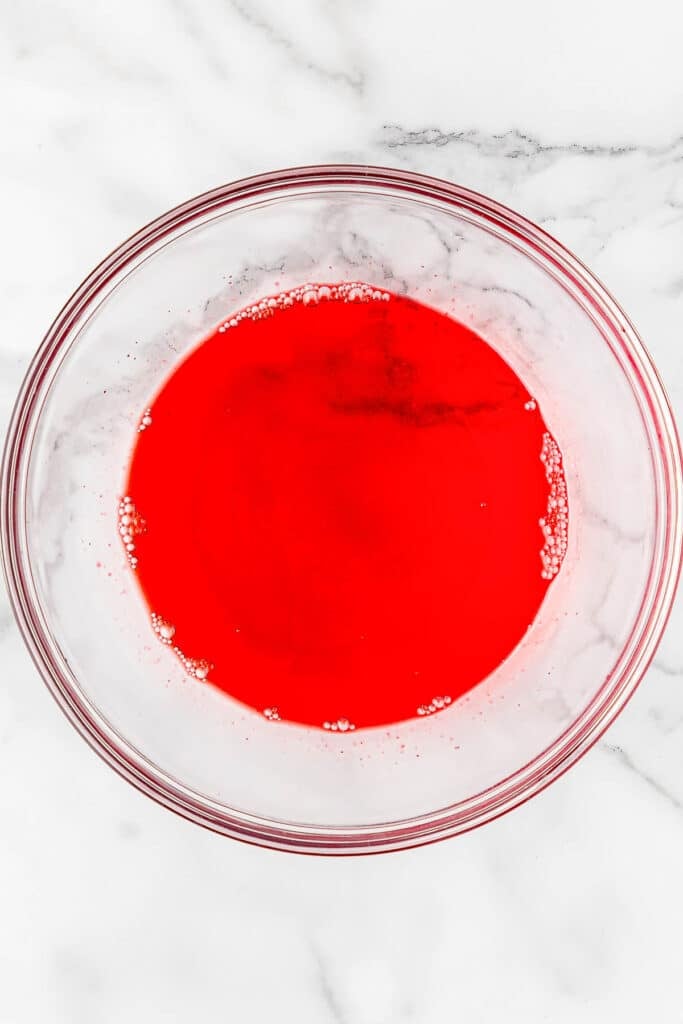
[[567, 910]]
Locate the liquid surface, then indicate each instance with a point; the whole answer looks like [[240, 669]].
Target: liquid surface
[[344, 508]]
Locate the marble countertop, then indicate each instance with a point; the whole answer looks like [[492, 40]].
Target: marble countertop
[[570, 908]]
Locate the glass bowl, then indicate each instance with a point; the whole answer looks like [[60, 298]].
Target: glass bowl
[[189, 746]]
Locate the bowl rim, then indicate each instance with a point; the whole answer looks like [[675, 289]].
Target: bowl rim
[[508, 793]]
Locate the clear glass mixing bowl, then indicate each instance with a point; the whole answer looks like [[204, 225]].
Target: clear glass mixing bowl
[[76, 600]]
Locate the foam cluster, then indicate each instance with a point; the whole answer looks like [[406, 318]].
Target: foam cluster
[[554, 523], [146, 421], [341, 725], [131, 525], [309, 295], [164, 631], [435, 704]]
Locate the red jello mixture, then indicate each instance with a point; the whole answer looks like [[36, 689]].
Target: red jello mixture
[[344, 508]]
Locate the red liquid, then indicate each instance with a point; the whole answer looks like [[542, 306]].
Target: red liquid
[[341, 498]]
